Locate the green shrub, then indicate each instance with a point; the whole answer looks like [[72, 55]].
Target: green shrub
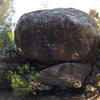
[[21, 80], [8, 35]]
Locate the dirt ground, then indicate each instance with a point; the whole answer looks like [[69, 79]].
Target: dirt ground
[[7, 95]]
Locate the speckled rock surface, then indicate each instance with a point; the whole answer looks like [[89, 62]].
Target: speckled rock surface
[[57, 35]]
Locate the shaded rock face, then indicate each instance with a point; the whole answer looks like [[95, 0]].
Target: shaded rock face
[[65, 75], [3, 81], [57, 35], [12, 55]]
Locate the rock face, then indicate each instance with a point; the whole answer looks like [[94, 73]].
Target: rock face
[[11, 55], [65, 75], [57, 35]]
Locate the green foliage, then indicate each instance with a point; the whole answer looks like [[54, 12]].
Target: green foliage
[[8, 35], [21, 80], [96, 17], [94, 13], [6, 13]]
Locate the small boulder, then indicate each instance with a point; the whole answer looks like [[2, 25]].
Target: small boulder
[[65, 75]]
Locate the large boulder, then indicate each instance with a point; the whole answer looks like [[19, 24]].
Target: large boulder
[[57, 35]]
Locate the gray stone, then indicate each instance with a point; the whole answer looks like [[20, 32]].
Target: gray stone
[[65, 75], [12, 55], [3, 66], [57, 35]]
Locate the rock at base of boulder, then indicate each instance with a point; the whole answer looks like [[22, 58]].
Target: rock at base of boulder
[[92, 83], [65, 75]]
